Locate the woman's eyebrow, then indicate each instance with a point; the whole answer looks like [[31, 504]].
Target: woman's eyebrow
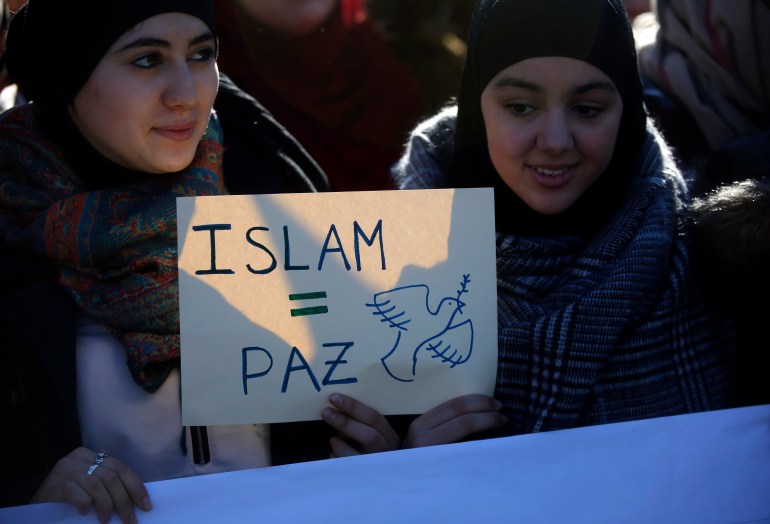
[[591, 86], [159, 42], [512, 82]]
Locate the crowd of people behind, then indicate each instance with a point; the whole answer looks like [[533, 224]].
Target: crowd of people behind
[[629, 156], [706, 68]]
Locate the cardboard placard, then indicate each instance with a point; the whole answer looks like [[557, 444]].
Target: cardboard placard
[[386, 296]]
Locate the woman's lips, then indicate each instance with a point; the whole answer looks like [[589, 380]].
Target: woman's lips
[[553, 176], [178, 132]]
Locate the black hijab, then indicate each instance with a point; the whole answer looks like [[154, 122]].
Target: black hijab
[[53, 46], [504, 32]]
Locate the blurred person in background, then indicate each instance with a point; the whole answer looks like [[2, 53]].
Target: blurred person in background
[[323, 69], [731, 252], [9, 92], [706, 68], [426, 37], [635, 8]]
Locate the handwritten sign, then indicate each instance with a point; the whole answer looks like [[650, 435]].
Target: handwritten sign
[[386, 296]]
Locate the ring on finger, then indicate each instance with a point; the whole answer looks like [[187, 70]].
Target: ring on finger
[[98, 462]]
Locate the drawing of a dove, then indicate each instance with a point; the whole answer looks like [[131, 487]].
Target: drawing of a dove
[[422, 331]]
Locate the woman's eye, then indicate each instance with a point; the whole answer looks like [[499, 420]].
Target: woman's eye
[[587, 110], [148, 61], [519, 109], [204, 55]]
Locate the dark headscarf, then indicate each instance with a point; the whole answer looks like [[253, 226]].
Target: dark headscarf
[[504, 32], [54, 45]]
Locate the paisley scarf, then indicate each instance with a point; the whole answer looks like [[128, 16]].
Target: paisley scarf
[[115, 247]]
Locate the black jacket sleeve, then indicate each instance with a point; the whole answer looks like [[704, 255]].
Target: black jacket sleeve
[[261, 157], [37, 374]]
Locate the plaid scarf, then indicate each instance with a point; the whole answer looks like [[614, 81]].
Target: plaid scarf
[[600, 328], [115, 248]]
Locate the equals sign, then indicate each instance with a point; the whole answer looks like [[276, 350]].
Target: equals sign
[[316, 310]]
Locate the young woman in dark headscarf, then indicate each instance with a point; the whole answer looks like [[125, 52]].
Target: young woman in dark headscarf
[[599, 319], [128, 112]]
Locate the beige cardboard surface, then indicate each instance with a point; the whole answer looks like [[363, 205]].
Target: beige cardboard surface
[[387, 296]]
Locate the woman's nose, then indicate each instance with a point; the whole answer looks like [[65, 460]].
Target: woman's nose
[[555, 134], [181, 88]]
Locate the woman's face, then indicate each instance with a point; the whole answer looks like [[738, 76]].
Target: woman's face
[[294, 17], [551, 126], [147, 103]]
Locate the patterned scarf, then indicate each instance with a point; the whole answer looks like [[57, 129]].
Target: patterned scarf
[[115, 248], [602, 327]]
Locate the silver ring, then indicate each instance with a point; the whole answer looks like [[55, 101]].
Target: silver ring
[[98, 462]]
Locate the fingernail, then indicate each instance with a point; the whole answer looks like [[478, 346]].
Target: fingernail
[[334, 398], [498, 404], [328, 414], [146, 504]]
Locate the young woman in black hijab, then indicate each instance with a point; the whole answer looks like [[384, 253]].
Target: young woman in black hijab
[[128, 111], [599, 317]]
